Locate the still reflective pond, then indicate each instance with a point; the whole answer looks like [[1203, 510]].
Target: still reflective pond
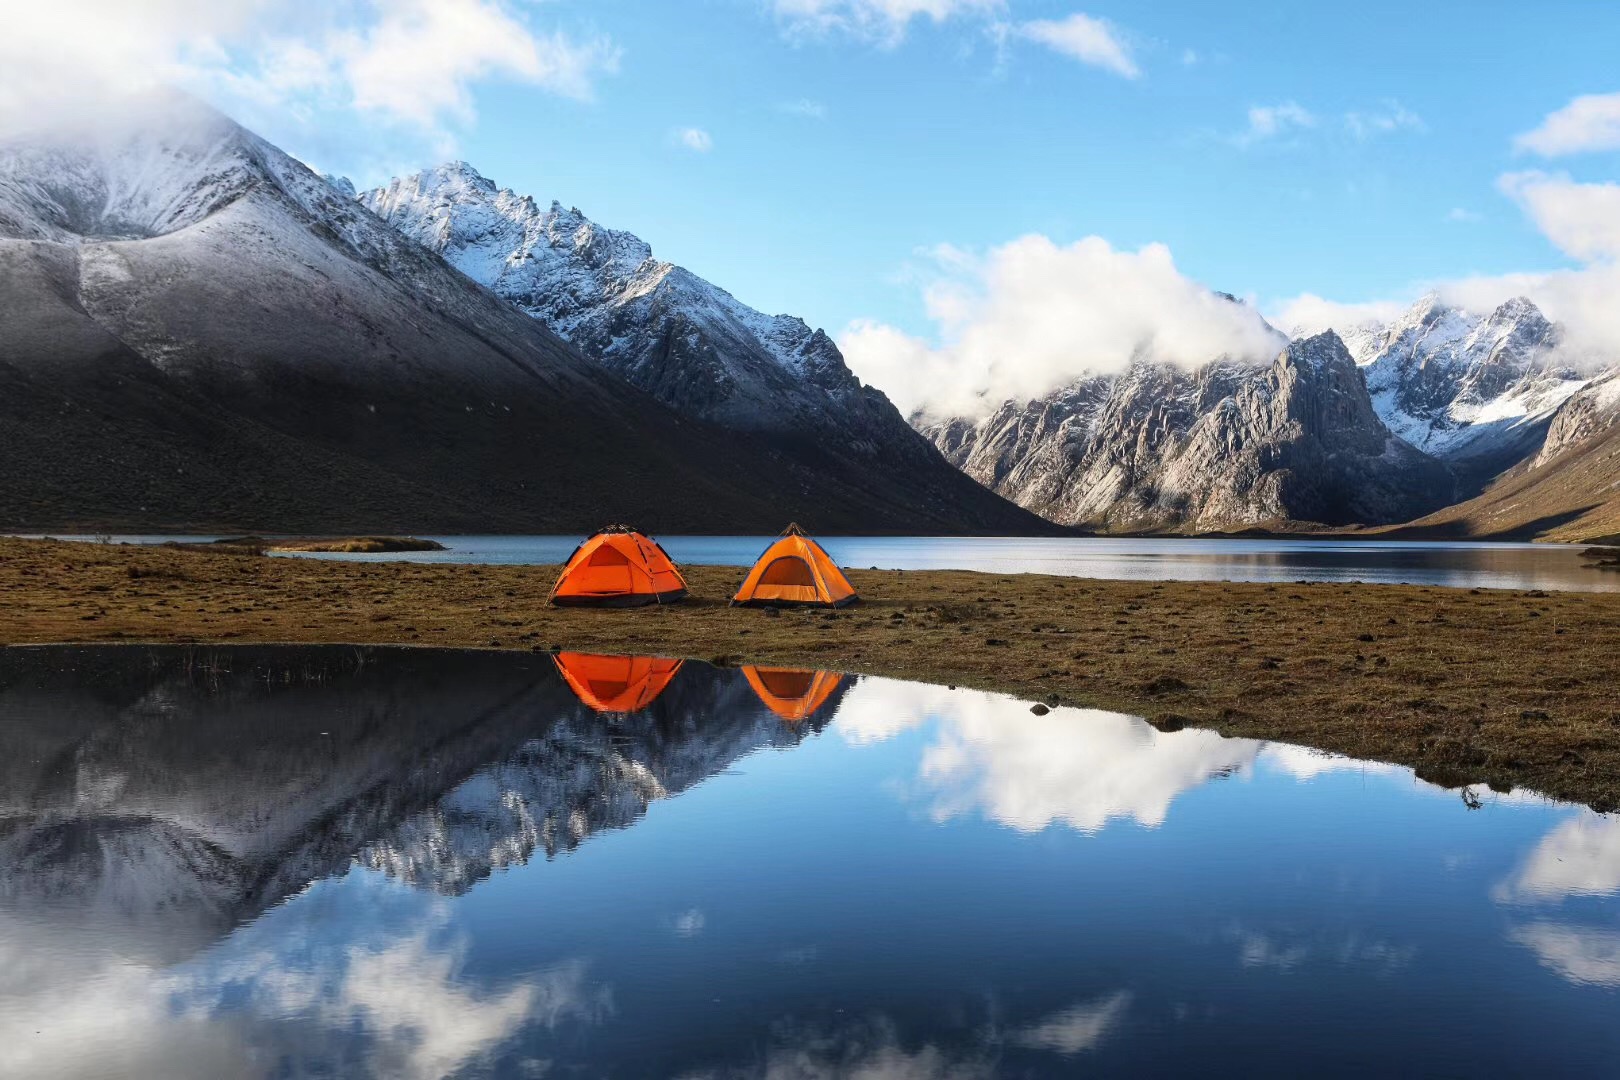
[[1441, 563], [277, 861]]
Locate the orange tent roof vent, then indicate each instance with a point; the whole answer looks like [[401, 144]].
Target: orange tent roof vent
[[616, 684], [792, 694], [795, 572], [618, 567]]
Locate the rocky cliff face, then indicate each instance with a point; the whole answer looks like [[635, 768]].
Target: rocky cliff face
[[1591, 411], [1224, 446]]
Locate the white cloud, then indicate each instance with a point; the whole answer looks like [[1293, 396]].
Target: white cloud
[[1078, 1028], [1271, 121], [1581, 857], [1588, 123], [1288, 952], [1583, 220], [413, 62], [1307, 763], [1256, 950], [865, 1048], [1189, 57], [688, 923], [694, 139], [1086, 39], [1462, 214], [418, 59], [1285, 118], [882, 22], [1308, 314], [1581, 300], [426, 1023], [110, 47], [810, 110], [401, 1001], [1580, 954], [1389, 118], [1079, 768], [1033, 315]]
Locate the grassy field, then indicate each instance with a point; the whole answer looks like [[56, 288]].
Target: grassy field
[[1493, 687]]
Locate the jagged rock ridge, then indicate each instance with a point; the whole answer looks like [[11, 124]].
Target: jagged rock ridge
[[1223, 446], [687, 342], [1476, 391]]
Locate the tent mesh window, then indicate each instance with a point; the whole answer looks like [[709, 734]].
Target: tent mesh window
[[788, 570]]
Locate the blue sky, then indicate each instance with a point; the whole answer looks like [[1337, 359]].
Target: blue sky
[[937, 139], [810, 155]]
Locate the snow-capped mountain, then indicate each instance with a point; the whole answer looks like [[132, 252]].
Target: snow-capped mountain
[[202, 333], [690, 343], [687, 342], [1476, 391], [1220, 447], [1426, 409]]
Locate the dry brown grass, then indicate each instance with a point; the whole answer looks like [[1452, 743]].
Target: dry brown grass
[[1505, 688]]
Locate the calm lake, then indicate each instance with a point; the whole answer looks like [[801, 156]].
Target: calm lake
[[395, 863], [1460, 565]]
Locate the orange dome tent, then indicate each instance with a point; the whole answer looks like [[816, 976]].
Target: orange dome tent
[[794, 572], [616, 684], [792, 694], [618, 567]]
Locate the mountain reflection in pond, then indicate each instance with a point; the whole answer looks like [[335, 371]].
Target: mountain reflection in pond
[[279, 861]]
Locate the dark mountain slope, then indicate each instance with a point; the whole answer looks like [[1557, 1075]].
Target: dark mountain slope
[[196, 331]]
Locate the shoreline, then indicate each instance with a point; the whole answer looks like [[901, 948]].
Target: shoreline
[[1372, 534], [1497, 687]]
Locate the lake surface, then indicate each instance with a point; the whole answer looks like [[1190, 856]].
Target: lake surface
[[1458, 565], [277, 861]]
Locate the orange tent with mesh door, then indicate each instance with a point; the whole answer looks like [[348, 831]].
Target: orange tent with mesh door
[[792, 694], [618, 567], [616, 684], [794, 572]]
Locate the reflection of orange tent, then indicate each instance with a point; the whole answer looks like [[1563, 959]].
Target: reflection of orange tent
[[795, 571], [793, 695], [617, 684], [618, 567]]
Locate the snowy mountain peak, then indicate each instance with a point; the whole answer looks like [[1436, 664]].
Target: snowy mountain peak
[[685, 341], [157, 166], [341, 184], [1473, 389], [1319, 351], [164, 163], [604, 289], [1519, 307]]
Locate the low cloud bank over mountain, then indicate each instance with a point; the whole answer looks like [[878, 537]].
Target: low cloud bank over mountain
[[1029, 316]]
